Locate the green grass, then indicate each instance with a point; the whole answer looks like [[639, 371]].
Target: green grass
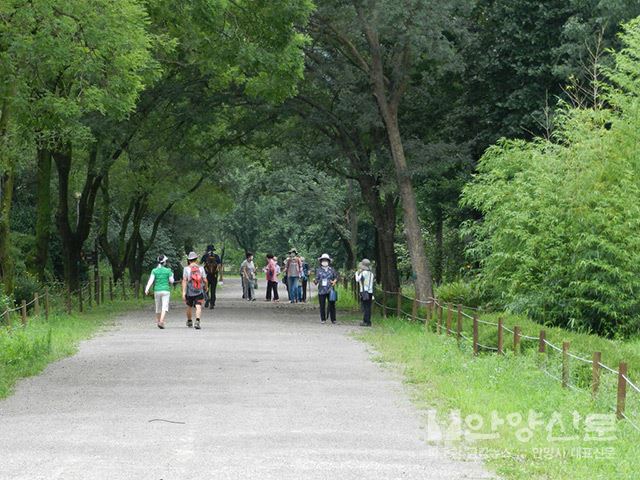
[[446, 376], [26, 351]]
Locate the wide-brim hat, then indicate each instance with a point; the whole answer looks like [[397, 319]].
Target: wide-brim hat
[[366, 262], [192, 256], [324, 256], [162, 259]]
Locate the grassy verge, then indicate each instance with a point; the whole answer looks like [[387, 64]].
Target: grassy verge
[[26, 351], [447, 377]]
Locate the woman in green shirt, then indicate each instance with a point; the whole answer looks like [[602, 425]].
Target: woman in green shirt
[[161, 278]]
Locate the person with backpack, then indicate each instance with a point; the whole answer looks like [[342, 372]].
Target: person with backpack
[[365, 279], [212, 267], [194, 285], [326, 279], [293, 271], [161, 278]]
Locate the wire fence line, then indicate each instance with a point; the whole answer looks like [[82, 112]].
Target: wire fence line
[[436, 311], [57, 297]]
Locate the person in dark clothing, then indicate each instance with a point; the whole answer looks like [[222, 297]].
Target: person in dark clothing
[[326, 280], [272, 270], [213, 268], [304, 279]]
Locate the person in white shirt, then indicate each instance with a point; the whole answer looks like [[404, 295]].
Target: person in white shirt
[[366, 280]]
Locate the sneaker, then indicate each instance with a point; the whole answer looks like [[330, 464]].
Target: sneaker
[[334, 322], [323, 321], [197, 325], [189, 323], [363, 324], [206, 304], [161, 325]]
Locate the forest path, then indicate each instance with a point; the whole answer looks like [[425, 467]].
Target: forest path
[[263, 391]]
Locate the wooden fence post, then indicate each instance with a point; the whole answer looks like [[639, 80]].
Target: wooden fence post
[[500, 337], [595, 373], [475, 334], [414, 308], [542, 347], [516, 340], [36, 304], [124, 289], [101, 289], [438, 318], [459, 325], [89, 295], [384, 304], [23, 313], [80, 302], [399, 304], [111, 289], [622, 390], [449, 318], [565, 364], [96, 288], [46, 303]]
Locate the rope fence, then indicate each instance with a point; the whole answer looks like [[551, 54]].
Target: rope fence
[[57, 298], [554, 360]]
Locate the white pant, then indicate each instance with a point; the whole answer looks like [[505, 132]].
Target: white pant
[[162, 301]]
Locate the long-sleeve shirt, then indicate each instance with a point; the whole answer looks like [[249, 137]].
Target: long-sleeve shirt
[[324, 277]]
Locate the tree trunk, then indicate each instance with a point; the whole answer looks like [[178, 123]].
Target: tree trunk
[[438, 262], [70, 253], [412, 228], [6, 197], [388, 95], [43, 212], [384, 219], [6, 259]]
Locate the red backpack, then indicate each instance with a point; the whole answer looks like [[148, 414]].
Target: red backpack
[[196, 278]]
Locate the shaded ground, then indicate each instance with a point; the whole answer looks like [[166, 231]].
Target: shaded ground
[[262, 391]]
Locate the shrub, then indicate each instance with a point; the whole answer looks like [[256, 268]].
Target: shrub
[[459, 292], [560, 235], [25, 287]]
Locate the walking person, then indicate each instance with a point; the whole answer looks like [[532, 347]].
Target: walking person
[[249, 277], [272, 270], [365, 279], [212, 267], [194, 284], [304, 280], [326, 280], [161, 278], [293, 271]]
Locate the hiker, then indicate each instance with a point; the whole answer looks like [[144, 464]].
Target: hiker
[[365, 279], [161, 278], [248, 272], [272, 270], [326, 279], [194, 285], [293, 271], [304, 280], [212, 267]]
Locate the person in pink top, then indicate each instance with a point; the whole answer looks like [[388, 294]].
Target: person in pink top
[[272, 272]]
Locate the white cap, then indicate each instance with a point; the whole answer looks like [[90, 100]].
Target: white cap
[[325, 256]]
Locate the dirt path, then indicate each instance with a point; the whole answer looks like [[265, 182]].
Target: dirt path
[[261, 392]]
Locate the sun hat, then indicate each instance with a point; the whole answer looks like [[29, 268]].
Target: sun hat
[[293, 250], [192, 256], [366, 263], [162, 259], [324, 256]]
